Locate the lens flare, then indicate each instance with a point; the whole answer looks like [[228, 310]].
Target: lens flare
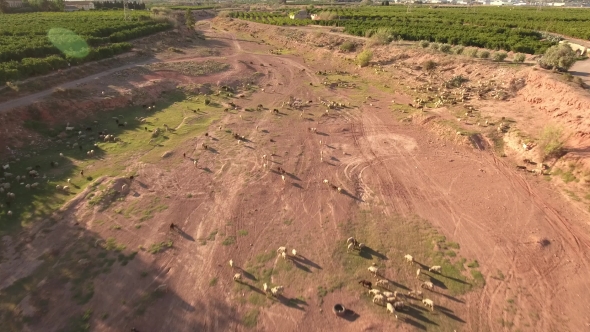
[[68, 42]]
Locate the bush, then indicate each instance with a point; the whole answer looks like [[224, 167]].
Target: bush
[[519, 57], [347, 46], [499, 56], [429, 65], [458, 49], [363, 58], [551, 143], [484, 54], [560, 57], [424, 43], [472, 52], [445, 48], [434, 46], [382, 36]]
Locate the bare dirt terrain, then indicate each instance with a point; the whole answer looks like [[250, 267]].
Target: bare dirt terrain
[[513, 249]]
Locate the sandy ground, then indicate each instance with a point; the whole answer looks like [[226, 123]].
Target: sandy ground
[[532, 245]]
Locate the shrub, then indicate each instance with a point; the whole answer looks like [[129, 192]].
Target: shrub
[[382, 36], [456, 81], [445, 48], [551, 143], [458, 49], [560, 57], [472, 52], [347, 46], [424, 43], [519, 57], [364, 58], [434, 46], [429, 65], [484, 55], [499, 56]]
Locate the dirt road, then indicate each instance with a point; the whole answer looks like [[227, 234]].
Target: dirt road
[[582, 70], [530, 246], [27, 100]]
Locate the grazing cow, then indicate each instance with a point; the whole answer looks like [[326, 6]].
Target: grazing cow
[[366, 284]]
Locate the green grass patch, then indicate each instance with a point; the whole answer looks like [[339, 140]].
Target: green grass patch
[[242, 232], [213, 282], [229, 241], [474, 264], [111, 158], [478, 278], [111, 244], [566, 176], [212, 235], [160, 246], [250, 319]]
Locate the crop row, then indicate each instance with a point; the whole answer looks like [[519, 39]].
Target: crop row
[[26, 49], [488, 27], [13, 70]]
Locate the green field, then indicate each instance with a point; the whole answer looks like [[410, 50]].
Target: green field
[[110, 159], [38, 43], [516, 29]]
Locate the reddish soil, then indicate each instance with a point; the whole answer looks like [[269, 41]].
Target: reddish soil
[[510, 222]]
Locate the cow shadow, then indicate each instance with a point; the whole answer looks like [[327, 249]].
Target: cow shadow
[[247, 274], [213, 150], [293, 176], [344, 192], [369, 252], [185, 235], [418, 314], [414, 323], [448, 297], [350, 315], [292, 303], [296, 185], [449, 313], [438, 283], [306, 261], [300, 266], [321, 133]]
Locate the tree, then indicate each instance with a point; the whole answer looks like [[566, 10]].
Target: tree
[[3, 6], [560, 57], [60, 5], [190, 21]]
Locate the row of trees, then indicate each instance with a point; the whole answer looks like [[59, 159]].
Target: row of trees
[[14, 70], [34, 6], [433, 29], [30, 44], [25, 35], [118, 4], [572, 22]]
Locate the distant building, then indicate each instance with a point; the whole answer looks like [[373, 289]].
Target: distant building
[[78, 5], [14, 3], [300, 15]]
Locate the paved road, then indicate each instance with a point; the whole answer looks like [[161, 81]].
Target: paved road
[[29, 99], [582, 69]]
